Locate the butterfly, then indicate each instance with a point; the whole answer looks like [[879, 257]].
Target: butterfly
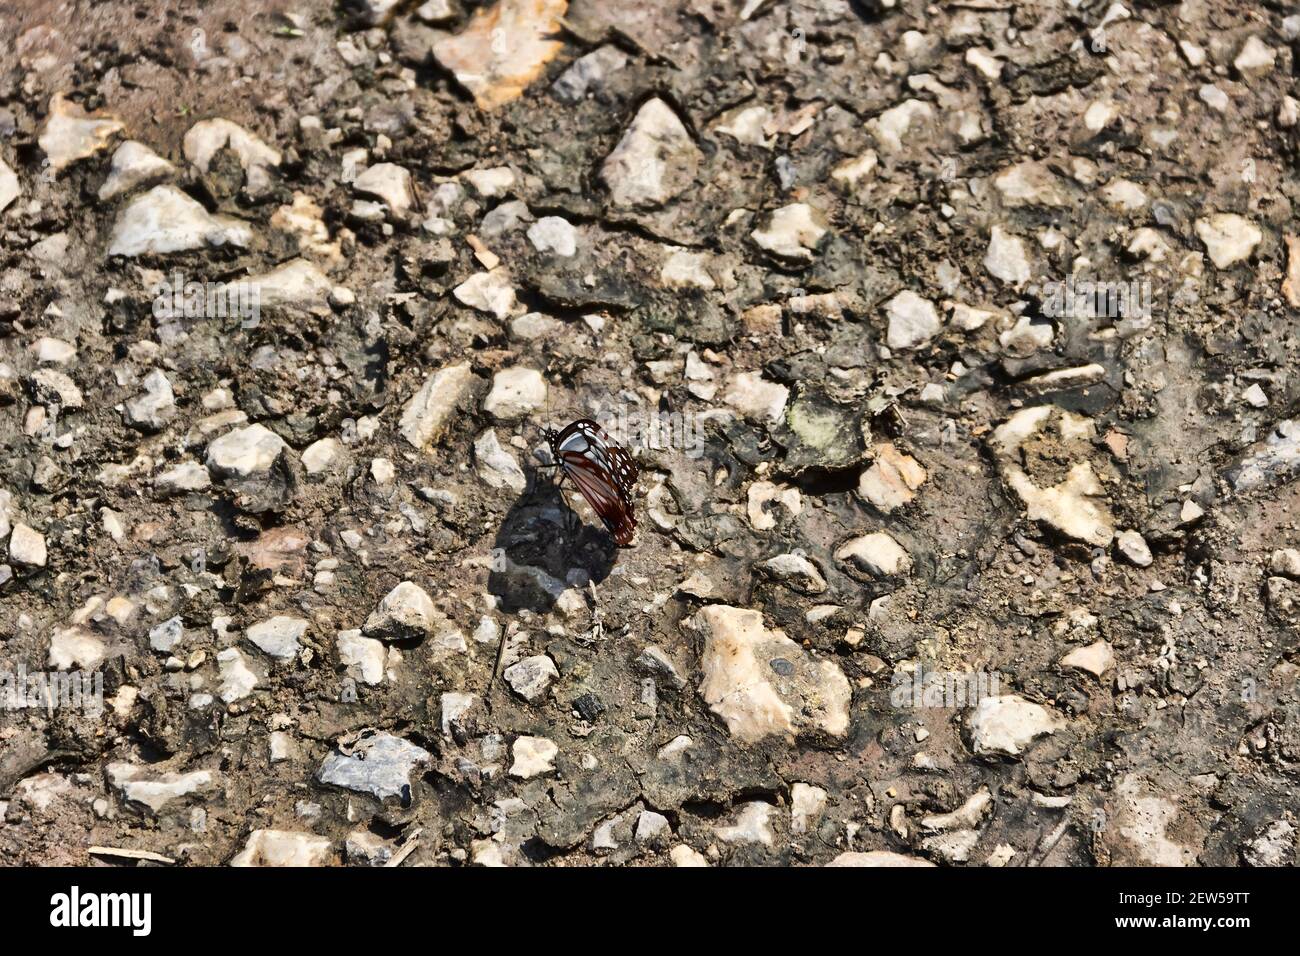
[[602, 470]]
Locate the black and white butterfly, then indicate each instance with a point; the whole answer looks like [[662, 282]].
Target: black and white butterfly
[[603, 472]]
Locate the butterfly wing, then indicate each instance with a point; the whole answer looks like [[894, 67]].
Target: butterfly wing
[[603, 496], [603, 472]]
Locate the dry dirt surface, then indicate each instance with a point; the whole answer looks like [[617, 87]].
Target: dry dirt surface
[[954, 343]]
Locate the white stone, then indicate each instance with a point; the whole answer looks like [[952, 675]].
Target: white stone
[[806, 805], [75, 648], [686, 270], [296, 283], [364, 657], [490, 292], [761, 683], [531, 677], [893, 124], [207, 137], [682, 855], [405, 612], [181, 477], [516, 393], [27, 546], [752, 824], [877, 858], [756, 398], [490, 183], [1006, 258], [496, 466], [138, 785], [278, 636], [1008, 724], [877, 553], [655, 160], [10, 187], [533, 756], [320, 455], [70, 134], [390, 183], [913, 320], [796, 570], [134, 164], [553, 234], [792, 232], [1134, 547], [853, 173], [1228, 238], [1096, 658], [1076, 506], [1255, 59], [426, 415], [152, 408], [166, 220], [284, 848], [245, 452], [236, 677]]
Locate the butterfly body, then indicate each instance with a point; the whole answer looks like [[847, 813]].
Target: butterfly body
[[603, 472]]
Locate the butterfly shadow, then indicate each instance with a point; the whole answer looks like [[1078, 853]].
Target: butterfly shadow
[[544, 547]]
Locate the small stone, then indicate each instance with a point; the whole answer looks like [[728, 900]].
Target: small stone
[[682, 855], [686, 270], [533, 756], [878, 554], [852, 174], [390, 183], [1134, 547], [279, 636], [796, 571], [792, 232], [756, 398], [652, 828], [1228, 238], [531, 677], [589, 73], [490, 292], [320, 456], [207, 137], [752, 824], [1006, 258], [167, 635], [70, 134], [1255, 59], [75, 648], [496, 466], [27, 546], [503, 49], [806, 805], [10, 187], [1007, 724], [166, 220], [743, 684], [655, 160], [284, 848], [134, 164], [892, 479], [878, 858], [379, 764], [155, 791], [405, 613], [430, 410], [516, 393], [1255, 396], [245, 452], [913, 321], [1096, 658], [182, 477], [1286, 562], [151, 410], [553, 234], [364, 657], [53, 387], [237, 678], [892, 125]]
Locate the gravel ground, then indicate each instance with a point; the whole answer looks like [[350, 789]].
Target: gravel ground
[[953, 341]]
